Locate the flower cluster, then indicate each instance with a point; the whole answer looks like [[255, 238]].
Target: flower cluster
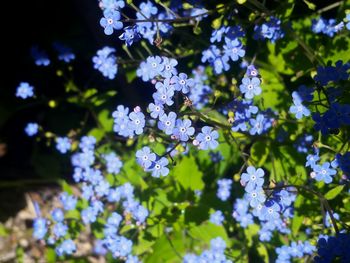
[[106, 62], [327, 27], [271, 30]]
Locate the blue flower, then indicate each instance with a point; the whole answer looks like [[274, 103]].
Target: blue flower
[[324, 172], [299, 110], [31, 129], [250, 87], [216, 35], [87, 143], [253, 178], [164, 93], [67, 247], [24, 90], [234, 49], [257, 125], [303, 94], [167, 122], [111, 21], [39, 228], [224, 188], [207, 138], [145, 157], [220, 64], [111, 4], [140, 214], [217, 218], [60, 229], [271, 211], [311, 160], [131, 34], [63, 144], [57, 215], [159, 168], [169, 67], [106, 62], [64, 53], [156, 110], [113, 163], [256, 197], [182, 83], [114, 219], [155, 66], [40, 57], [183, 130], [137, 122], [68, 201], [348, 21], [89, 215]]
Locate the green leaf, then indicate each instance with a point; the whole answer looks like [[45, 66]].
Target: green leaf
[[263, 252], [331, 194], [105, 120], [66, 187], [296, 223], [207, 231], [50, 255], [188, 175], [260, 152]]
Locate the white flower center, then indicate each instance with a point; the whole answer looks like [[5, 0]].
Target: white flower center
[[137, 122], [154, 64], [182, 129], [157, 166], [208, 138], [167, 123], [250, 87], [167, 67], [253, 177], [254, 195], [182, 82], [270, 210], [157, 108], [323, 171], [234, 50]]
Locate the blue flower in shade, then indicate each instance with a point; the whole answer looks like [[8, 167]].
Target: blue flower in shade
[[299, 110], [159, 168], [303, 94], [217, 218], [183, 130], [63, 144], [250, 87], [182, 83], [31, 129], [24, 90], [252, 71], [217, 35], [253, 178], [324, 172], [64, 53], [131, 34], [114, 219], [169, 67], [207, 139], [39, 228], [140, 214], [145, 157], [147, 10], [233, 49], [167, 122], [67, 247], [156, 110], [40, 57], [348, 21], [210, 54], [106, 62], [111, 21]]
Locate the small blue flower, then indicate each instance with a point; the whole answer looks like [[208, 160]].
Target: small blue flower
[[257, 125], [324, 172], [182, 83], [131, 34], [67, 247], [63, 144], [256, 197], [31, 129], [217, 218], [224, 188], [60, 229], [39, 228], [24, 90], [68, 201], [183, 129], [111, 21], [57, 215], [253, 178], [145, 157], [167, 122], [40, 57], [89, 215], [159, 168], [250, 87], [137, 121], [169, 67], [64, 53], [216, 35], [207, 138], [155, 66], [234, 49], [156, 110], [113, 163], [299, 110]]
